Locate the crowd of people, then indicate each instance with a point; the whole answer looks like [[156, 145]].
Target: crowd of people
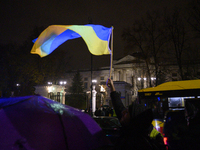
[[136, 122], [104, 111], [137, 131]]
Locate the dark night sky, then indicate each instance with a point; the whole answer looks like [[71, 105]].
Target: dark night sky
[[18, 18]]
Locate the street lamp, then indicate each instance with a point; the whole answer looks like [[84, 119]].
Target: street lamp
[[17, 84], [94, 81], [102, 89], [63, 82], [49, 83]]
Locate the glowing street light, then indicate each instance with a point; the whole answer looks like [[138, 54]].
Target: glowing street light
[[94, 81], [63, 82], [102, 89]]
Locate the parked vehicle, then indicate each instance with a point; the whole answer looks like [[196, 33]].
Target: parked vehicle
[[168, 96], [110, 125]]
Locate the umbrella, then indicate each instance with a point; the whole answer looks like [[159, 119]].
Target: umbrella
[[38, 123]]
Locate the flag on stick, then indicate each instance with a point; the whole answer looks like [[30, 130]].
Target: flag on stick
[[96, 37], [111, 54]]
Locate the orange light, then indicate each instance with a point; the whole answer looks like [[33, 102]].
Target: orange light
[[165, 140]]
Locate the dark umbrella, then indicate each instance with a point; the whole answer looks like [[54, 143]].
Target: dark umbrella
[[35, 122]]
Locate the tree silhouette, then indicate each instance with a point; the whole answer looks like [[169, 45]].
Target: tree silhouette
[[178, 37], [77, 84], [147, 37], [77, 98], [18, 65]]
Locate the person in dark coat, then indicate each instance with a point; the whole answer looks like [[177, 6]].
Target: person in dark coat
[[189, 134], [135, 121]]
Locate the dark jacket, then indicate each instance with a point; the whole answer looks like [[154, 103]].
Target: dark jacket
[[135, 136]]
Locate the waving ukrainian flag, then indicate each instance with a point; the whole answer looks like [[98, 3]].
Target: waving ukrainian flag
[[96, 37]]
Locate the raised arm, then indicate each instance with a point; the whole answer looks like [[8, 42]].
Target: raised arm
[[116, 100]]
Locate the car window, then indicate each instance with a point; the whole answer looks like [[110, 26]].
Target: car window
[[107, 122]]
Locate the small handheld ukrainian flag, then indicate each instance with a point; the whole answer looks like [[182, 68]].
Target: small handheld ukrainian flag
[[96, 37]]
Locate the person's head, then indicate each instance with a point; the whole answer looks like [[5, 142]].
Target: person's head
[[137, 116]]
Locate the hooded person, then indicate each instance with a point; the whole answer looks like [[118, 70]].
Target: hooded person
[[135, 121]]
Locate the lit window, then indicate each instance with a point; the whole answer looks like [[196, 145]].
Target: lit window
[[153, 78]]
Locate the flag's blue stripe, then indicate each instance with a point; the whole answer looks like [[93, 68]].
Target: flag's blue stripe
[[102, 32], [63, 37], [45, 47]]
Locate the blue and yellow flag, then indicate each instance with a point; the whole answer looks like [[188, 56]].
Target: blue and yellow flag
[[96, 37]]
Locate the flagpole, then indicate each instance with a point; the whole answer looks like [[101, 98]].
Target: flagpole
[[111, 54], [90, 106]]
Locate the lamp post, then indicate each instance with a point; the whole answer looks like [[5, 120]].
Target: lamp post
[[94, 92], [90, 109]]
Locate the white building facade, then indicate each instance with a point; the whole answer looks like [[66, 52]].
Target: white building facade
[[128, 73]]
